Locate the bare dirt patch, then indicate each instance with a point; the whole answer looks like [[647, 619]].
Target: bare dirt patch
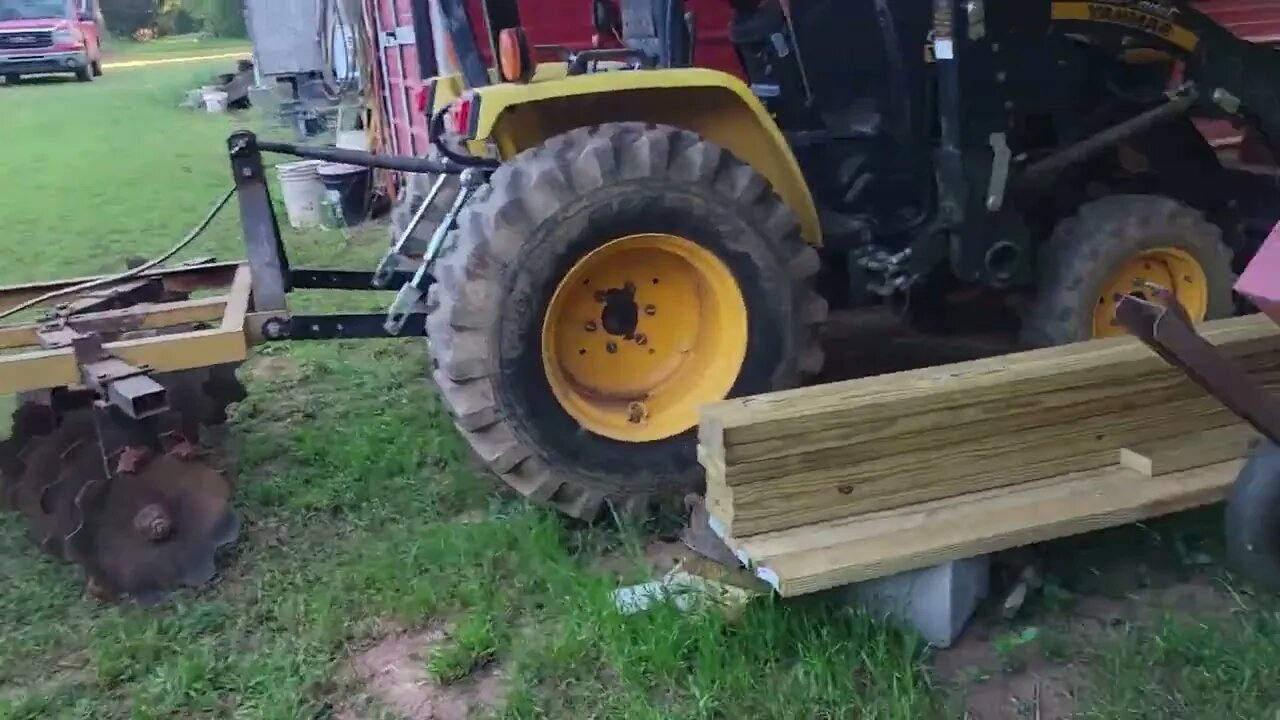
[[984, 690], [1030, 681], [393, 675], [273, 367]]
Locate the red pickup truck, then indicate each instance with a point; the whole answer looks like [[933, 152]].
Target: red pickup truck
[[42, 37]]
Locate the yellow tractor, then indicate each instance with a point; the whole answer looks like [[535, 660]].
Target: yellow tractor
[[645, 236]]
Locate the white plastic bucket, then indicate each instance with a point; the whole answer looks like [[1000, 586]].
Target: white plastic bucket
[[353, 140], [215, 101], [303, 192]]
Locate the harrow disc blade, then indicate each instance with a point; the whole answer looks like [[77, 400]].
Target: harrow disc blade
[[156, 530], [55, 467]]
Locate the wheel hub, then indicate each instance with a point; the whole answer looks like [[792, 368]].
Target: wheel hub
[[1170, 268], [640, 333]]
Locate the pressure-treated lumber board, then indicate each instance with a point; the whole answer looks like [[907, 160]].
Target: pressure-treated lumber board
[[938, 432], [1007, 459], [1168, 455], [824, 555], [793, 422]]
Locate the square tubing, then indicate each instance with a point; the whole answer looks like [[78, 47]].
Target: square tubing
[[263, 245]]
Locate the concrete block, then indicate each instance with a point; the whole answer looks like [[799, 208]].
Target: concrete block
[[937, 601]]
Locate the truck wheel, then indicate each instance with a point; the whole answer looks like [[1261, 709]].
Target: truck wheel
[[604, 287], [85, 74], [1253, 519], [96, 66], [415, 191], [1109, 248]]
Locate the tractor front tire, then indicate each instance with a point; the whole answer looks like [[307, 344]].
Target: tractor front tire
[[603, 287], [1111, 246]]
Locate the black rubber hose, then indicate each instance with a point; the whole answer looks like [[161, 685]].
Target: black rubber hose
[[436, 130]]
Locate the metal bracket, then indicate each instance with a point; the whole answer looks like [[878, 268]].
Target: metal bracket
[[1168, 331], [117, 382], [1000, 158], [410, 297], [402, 35], [395, 258]]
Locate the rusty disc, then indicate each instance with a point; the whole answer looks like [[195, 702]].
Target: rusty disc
[[157, 530], [55, 468]]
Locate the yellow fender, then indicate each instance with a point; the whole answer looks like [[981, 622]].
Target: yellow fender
[[713, 104]]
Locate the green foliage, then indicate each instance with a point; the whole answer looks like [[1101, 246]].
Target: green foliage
[[223, 18], [125, 17]]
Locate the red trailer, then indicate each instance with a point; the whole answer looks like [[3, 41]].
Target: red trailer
[[410, 42]]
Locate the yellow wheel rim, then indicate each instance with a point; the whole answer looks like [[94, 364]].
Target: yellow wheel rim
[[642, 332], [1169, 268]]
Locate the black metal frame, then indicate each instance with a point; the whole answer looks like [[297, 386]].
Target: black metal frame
[[273, 275]]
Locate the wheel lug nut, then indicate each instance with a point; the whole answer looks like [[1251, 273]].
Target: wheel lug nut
[[590, 326], [650, 310], [642, 339], [635, 413], [611, 346]]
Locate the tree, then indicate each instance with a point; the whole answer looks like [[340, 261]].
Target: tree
[[224, 18], [124, 17]]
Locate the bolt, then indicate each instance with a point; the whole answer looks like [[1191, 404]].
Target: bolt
[[650, 310], [635, 413], [642, 339], [611, 346], [153, 523], [590, 326]]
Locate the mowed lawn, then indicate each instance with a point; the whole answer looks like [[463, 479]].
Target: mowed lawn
[[365, 521]]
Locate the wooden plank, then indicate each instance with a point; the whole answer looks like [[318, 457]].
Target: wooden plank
[[52, 368], [238, 299], [841, 489], [821, 409], [135, 317], [825, 555], [181, 277], [927, 432], [1168, 455], [912, 437]]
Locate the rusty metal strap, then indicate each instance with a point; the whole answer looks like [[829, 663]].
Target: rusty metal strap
[[1168, 331]]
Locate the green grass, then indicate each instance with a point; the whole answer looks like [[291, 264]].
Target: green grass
[[175, 46], [361, 516]]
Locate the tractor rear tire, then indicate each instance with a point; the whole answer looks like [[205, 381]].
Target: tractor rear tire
[[414, 192], [632, 203], [1112, 242], [1252, 520]]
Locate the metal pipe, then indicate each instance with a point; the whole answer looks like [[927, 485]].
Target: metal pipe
[[1045, 169], [361, 158]]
